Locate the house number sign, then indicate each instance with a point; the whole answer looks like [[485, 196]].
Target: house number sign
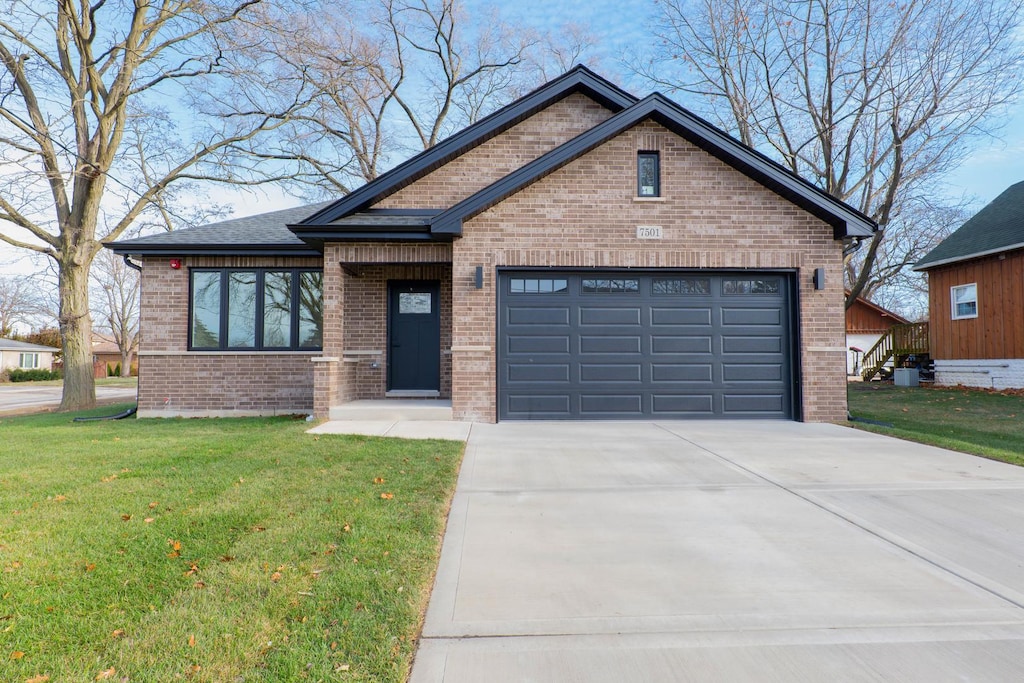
[[648, 232]]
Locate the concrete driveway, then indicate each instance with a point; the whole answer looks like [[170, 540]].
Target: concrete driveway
[[25, 397], [739, 551]]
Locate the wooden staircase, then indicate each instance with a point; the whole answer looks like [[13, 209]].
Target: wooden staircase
[[900, 342]]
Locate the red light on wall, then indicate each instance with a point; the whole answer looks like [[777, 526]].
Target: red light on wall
[[176, 263]]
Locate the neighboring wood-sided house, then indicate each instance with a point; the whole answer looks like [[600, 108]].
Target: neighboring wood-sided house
[[866, 322], [19, 355], [578, 254], [976, 298]]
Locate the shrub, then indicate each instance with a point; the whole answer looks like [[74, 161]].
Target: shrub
[[18, 375]]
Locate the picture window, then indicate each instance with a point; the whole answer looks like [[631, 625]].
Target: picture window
[[235, 309]]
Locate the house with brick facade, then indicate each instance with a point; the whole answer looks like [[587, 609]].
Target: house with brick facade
[[976, 298], [578, 254]]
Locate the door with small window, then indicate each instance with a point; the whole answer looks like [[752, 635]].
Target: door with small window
[[414, 336], [625, 345]]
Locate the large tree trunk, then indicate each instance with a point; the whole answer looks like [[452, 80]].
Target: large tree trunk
[[76, 337], [126, 363]]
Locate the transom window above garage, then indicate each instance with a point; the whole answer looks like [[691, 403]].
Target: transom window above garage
[[751, 286], [537, 285]]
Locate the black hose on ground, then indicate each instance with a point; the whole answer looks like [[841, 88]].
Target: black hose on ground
[[120, 416], [851, 418]]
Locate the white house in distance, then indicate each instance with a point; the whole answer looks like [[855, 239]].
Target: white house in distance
[[24, 356]]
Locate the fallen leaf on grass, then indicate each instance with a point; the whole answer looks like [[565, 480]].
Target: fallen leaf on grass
[[153, 505], [60, 498], [148, 520], [387, 496], [226, 558], [347, 528], [126, 518], [17, 654], [90, 566], [175, 548], [104, 675], [192, 569], [378, 480], [118, 633], [111, 478], [199, 584], [192, 670], [41, 678], [192, 640], [340, 668], [275, 577], [259, 528]]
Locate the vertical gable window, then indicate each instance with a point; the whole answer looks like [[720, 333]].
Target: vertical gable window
[[256, 309], [964, 299], [648, 174]]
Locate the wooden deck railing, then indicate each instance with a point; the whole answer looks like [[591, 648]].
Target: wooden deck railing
[[896, 344]]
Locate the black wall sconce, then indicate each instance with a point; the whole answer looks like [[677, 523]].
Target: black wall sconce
[[819, 278], [478, 278]]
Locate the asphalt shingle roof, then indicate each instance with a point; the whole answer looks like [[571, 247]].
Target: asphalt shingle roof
[[262, 230], [996, 228], [12, 345]]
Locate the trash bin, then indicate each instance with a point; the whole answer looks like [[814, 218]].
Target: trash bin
[[907, 377]]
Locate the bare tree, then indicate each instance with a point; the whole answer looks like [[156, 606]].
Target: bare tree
[[74, 77], [395, 76], [17, 304], [871, 100], [117, 284]]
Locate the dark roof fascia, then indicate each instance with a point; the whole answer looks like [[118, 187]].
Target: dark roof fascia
[[211, 250], [578, 79], [922, 266], [844, 219], [318, 234]]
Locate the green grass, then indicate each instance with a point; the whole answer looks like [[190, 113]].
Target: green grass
[[983, 423], [214, 550]]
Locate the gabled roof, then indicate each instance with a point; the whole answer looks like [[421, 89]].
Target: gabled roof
[[265, 233], [844, 219], [12, 345], [996, 228], [884, 312], [579, 79]]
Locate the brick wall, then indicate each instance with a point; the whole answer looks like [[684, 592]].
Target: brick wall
[[585, 215], [499, 156], [175, 381]]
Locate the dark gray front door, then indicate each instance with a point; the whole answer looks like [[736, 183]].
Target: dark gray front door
[[414, 335], [579, 345]]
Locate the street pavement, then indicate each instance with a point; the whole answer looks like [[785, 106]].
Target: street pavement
[[25, 397], [725, 551]]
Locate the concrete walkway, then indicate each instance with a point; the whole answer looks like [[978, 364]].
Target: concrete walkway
[[764, 551]]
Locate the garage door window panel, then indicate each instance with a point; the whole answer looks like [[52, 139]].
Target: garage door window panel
[[734, 286], [611, 286], [537, 286], [681, 286]]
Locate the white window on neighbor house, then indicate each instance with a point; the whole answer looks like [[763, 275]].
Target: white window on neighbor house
[[28, 361], [964, 300]]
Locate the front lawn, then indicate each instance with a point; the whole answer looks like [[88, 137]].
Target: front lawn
[[214, 550], [972, 421]]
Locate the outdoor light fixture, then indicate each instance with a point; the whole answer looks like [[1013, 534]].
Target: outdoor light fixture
[[176, 263], [479, 277], [819, 278]]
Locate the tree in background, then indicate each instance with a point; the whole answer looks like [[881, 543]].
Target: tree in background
[[82, 88], [17, 304], [394, 77], [117, 303], [871, 100]]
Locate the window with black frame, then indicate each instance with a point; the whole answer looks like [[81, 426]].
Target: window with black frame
[[256, 309]]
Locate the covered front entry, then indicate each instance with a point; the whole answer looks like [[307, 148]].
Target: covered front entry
[[658, 344], [414, 336]]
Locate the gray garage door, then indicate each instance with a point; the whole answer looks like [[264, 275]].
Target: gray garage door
[[667, 345]]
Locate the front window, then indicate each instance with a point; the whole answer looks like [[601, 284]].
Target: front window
[[28, 361], [964, 301], [256, 309]]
